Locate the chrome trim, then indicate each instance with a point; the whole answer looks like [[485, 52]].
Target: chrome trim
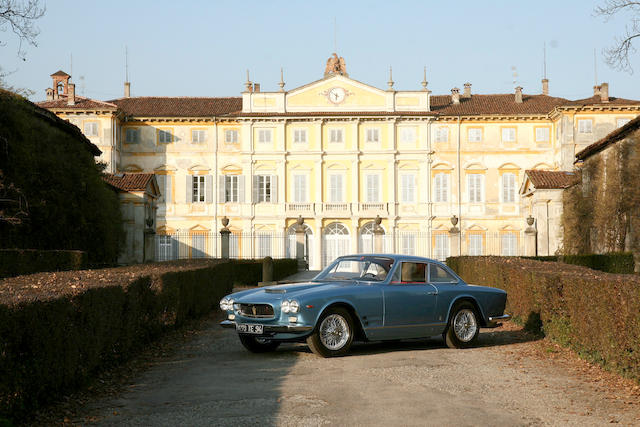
[[272, 328], [498, 318]]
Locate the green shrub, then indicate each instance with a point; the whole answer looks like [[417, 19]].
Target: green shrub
[[548, 258], [620, 262], [595, 313], [50, 345], [16, 262]]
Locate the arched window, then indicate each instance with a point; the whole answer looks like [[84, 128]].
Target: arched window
[[335, 242]]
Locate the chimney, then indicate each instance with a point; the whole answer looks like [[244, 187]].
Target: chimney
[[127, 89], [455, 95], [467, 90], [50, 93], [596, 90], [519, 95], [71, 94], [256, 87], [545, 86], [604, 92]]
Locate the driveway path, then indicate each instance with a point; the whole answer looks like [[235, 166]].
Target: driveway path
[[511, 379]]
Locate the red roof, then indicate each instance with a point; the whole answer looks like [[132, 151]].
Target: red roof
[[611, 138], [82, 103], [595, 100], [503, 104], [148, 106], [129, 181], [542, 179], [60, 73]]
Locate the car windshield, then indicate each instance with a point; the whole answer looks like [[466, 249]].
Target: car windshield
[[357, 268]]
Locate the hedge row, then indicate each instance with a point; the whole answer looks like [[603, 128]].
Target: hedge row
[[617, 262], [15, 262], [50, 345], [597, 314]]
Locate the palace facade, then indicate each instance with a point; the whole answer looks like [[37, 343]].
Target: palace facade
[[340, 153]]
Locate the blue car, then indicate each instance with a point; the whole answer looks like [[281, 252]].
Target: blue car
[[365, 298]]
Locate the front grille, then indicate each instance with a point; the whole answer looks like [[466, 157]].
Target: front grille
[[260, 311]]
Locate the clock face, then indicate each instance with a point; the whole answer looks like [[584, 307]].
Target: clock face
[[336, 95]]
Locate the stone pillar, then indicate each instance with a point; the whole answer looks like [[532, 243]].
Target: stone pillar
[[224, 239], [378, 234], [454, 238], [267, 272], [530, 238], [300, 240]]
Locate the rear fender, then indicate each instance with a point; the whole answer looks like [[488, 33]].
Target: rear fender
[[466, 297]]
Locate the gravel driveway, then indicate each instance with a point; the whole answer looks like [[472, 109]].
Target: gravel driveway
[[512, 379]]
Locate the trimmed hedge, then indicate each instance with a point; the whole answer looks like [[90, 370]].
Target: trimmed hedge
[[596, 314], [619, 262], [16, 262], [52, 345]]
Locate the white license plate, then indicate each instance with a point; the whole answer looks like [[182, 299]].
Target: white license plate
[[249, 329]]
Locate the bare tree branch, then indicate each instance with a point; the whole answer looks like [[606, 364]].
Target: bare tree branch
[[20, 16], [617, 56]]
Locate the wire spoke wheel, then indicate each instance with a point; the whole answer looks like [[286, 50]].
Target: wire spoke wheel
[[334, 332], [465, 325]]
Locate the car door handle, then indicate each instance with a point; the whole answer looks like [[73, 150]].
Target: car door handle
[[432, 293]]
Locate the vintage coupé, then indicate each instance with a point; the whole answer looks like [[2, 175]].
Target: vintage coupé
[[366, 298]]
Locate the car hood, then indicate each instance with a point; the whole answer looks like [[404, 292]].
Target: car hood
[[279, 292]]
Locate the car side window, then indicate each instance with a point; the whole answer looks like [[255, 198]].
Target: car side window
[[438, 274], [414, 272]]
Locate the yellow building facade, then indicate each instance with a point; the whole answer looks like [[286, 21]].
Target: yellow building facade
[[339, 153]]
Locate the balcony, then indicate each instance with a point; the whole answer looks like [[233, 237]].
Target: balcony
[[369, 209], [304, 209], [337, 209]]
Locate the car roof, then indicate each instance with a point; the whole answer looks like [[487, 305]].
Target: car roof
[[395, 257]]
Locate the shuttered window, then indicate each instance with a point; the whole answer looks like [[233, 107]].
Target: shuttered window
[[300, 187], [441, 187], [373, 188], [508, 134], [475, 184], [542, 134], [407, 188], [336, 193], [264, 189], [508, 188], [475, 244]]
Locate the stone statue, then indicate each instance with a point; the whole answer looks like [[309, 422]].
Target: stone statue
[[335, 65]]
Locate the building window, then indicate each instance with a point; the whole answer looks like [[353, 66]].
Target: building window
[[165, 136], [585, 126], [164, 182], [132, 136], [442, 134], [542, 134], [231, 188], [508, 134], [335, 135], [264, 244], [336, 193], [264, 136], [300, 188], [509, 244], [408, 243], [622, 122], [300, 136], [198, 135], [408, 134], [199, 187], [407, 188], [91, 128], [373, 188], [263, 188], [442, 246], [475, 244], [231, 136], [508, 188], [373, 135], [475, 135], [441, 187], [475, 185]]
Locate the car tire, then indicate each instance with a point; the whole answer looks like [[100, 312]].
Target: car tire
[[463, 327], [257, 344], [333, 334]]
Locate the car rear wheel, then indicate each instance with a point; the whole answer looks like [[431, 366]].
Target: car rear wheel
[[463, 328], [334, 333], [258, 344]]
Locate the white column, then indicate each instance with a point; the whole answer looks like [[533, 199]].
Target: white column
[[317, 243]]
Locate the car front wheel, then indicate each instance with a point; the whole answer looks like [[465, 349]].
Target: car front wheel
[[333, 335], [258, 344], [463, 328]]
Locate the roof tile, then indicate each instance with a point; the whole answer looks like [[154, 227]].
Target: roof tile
[[178, 106], [542, 179], [128, 181]]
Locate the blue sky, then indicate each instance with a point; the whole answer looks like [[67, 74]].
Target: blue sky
[[202, 48]]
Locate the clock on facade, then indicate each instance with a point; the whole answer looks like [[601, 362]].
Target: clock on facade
[[336, 95]]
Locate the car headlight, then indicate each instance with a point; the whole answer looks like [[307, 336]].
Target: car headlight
[[226, 304], [285, 306], [294, 307]]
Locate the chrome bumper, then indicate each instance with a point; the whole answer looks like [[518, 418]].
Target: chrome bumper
[[493, 320], [272, 328]]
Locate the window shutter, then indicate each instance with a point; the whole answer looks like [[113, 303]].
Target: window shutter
[[241, 189], [208, 189], [221, 192], [167, 188], [444, 188], [161, 185], [255, 189], [274, 188], [189, 193]]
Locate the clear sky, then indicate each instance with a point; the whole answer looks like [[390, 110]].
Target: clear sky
[[203, 48]]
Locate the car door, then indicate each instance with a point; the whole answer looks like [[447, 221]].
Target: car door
[[409, 302], [447, 287]]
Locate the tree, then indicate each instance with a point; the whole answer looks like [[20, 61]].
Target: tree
[[617, 56], [20, 16]]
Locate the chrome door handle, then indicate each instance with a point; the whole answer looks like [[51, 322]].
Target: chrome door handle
[[432, 293]]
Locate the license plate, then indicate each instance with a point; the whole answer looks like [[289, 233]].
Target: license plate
[[249, 329]]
